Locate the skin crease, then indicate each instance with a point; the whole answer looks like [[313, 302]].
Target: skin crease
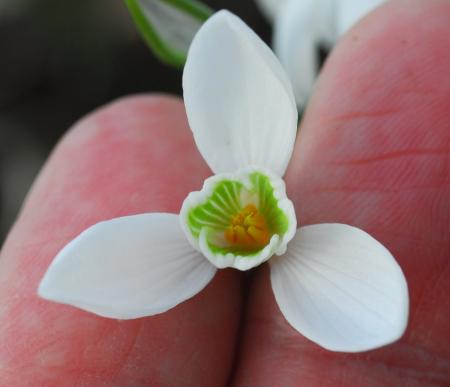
[[374, 152]]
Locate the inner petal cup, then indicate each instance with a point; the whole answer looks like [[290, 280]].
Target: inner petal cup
[[239, 220]]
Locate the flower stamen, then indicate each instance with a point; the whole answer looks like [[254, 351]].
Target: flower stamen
[[248, 229]]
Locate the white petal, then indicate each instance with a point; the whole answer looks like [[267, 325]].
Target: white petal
[[270, 8], [238, 99], [341, 288], [127, 267], [299, 29], [350, 11]]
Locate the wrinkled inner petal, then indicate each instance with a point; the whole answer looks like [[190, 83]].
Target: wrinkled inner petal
[[239, 215], [241, 220]]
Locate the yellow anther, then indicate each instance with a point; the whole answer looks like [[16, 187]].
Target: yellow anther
[[248, 229]]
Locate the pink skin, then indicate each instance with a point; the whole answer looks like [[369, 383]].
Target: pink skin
[[136, 155], [374, 152]]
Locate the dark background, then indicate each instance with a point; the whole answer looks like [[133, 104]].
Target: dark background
[[58, 61]]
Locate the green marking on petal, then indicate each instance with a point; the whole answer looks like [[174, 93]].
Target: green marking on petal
[[217, 212], [233, 250], [268, 205]]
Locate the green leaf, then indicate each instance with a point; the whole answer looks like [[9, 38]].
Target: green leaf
[[168, 26]]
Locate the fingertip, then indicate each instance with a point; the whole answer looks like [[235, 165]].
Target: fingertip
[[373, 152], [134, 155]]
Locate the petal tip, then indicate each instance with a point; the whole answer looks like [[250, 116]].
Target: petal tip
[[43, 290], [47, 289]]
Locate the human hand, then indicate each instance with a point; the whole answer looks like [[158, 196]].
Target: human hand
[[373, 153]]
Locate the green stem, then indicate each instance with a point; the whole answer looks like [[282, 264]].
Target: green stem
[[164, 52]]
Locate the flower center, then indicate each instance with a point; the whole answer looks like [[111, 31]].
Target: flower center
[[248, 229], [239, 220]]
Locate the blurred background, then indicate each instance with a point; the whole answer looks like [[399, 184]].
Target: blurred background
[[60, 60]]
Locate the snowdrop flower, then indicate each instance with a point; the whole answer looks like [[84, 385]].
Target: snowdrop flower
[[334, 283], [302, 26]]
